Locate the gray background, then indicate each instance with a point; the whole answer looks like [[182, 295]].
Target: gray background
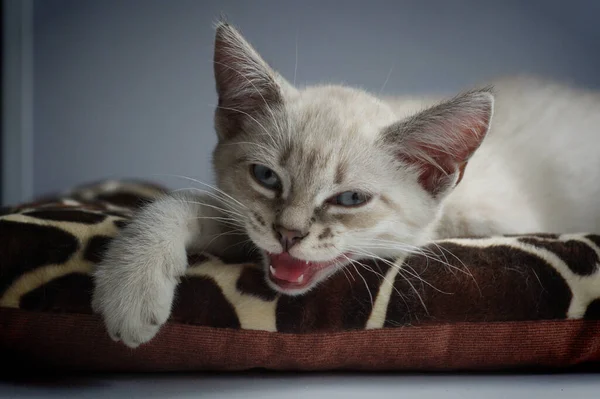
[[125, 89]]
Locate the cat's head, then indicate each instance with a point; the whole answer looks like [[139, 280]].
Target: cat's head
[[325, 175]]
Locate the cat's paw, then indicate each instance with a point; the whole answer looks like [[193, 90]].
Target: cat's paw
[[133, 305]]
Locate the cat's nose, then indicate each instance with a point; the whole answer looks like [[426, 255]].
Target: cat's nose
[[288, 238]]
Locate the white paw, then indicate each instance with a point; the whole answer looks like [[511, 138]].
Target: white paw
[[133, 304]]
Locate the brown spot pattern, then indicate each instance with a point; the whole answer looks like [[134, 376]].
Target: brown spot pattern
[[194, 259], [580, 258], [252, 282], [500, 284], [72, 291], [548, 236], [121, 224], [340, 303], [25, 247], [200, 301], [95, 248], [593, 310], [594, 238]]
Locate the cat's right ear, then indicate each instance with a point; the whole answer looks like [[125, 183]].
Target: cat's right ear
[[246, 86]]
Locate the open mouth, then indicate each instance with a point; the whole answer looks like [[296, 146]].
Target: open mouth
[[290, 273]]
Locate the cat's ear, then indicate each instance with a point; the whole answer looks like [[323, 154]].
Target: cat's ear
[[246, 85], [438, 142]]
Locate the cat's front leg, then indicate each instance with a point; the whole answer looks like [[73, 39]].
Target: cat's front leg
[[135, 283]]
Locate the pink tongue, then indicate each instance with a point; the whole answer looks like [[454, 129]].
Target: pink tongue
[[287, 268]]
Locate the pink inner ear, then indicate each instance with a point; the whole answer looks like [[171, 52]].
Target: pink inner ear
[[441, 153], [434, 180]]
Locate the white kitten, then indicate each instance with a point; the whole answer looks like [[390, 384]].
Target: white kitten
[[321, 175]]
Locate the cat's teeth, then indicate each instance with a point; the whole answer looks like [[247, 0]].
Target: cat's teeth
[[272, 269], [300, 279], [307, 262]]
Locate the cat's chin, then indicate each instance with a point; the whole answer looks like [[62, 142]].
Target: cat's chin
[[292, 276]]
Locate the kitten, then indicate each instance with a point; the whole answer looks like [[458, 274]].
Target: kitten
[[317, 176]]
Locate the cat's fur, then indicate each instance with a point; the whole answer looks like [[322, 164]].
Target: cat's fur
[[536, 170]]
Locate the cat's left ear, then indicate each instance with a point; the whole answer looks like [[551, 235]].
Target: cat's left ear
[[438, 142], [246, 85]]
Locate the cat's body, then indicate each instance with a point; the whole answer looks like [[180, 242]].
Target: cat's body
[[538, 170], [324, 176]]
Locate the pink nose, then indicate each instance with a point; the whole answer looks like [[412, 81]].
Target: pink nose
[[288, 238]]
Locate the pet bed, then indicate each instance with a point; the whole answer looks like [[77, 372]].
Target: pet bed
[[487, 303]]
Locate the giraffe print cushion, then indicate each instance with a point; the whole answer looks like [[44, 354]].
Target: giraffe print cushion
[[468, 303]]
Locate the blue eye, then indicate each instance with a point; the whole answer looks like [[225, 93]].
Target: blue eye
[[349, 198], [266, 177]]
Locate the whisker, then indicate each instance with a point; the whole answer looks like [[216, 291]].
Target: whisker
[[386, 80], [227, 211], [403, 269], [399, 268], [468, 270], [346, 275], [370, 269], [244, 242], [366, 284], [296, 63], [221, 200], [416, 292], [220, 235], [224, 220], [218, 190], [262, 147], [248, 115], [428, 254]]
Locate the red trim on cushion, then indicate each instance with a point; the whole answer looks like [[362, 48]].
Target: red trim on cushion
[[78, 341]]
